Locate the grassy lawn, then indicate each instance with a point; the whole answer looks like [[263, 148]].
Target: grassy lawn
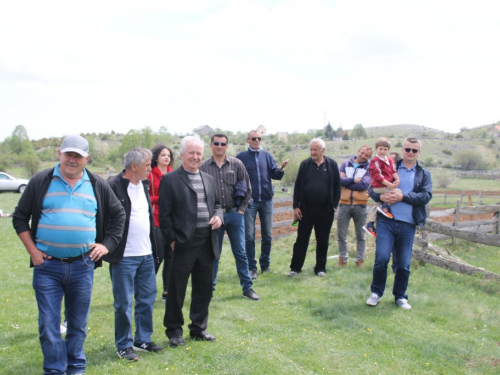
[[304, 325]]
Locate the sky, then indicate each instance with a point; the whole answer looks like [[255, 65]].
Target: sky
[[99, 66]]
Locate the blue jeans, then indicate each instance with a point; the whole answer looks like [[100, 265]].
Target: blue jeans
[[53, 280], [397, 235], [234, 225], [358, 214], [133, 277], [265, 210]]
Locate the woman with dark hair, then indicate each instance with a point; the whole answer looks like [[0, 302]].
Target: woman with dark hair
[[161, 163]]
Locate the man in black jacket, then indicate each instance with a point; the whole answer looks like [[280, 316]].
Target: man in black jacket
[[315, 198], [132, 265], [189, 218], [75, 220]]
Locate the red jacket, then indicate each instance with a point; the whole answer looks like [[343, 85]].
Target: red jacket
[[381, 170], [154, 187]]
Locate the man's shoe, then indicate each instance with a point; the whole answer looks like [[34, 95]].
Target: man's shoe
[[164, 296], [250, 294], [128, 353], [360, 263], [268, 270], [321, 274], [202, 336], [373, 300], [176, 341], [342, 262], [292, 273], [385, 210], [253, 274], [370, 229], [150, 347], [403, 303]]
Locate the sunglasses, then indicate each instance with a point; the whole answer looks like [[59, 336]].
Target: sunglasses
[[223, 144], [414, 150], [256, 138]]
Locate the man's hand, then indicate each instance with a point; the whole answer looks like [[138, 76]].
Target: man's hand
[[343, 175], [98, 251], [392, 197], [283, 165], [215, 222], [172, 245], [297, 214], [38, 257]]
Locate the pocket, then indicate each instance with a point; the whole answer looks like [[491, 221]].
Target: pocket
[[41, 265]]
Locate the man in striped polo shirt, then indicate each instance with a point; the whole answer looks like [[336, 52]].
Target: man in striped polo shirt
[[75, 220]]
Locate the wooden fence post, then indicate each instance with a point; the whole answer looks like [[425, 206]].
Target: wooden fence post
[[455, 222], [444, 198]]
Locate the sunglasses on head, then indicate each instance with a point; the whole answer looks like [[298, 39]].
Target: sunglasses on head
[[414, 150], [256, 138], [223, 144]]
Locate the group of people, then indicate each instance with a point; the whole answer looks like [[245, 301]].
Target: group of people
[[70, 219]]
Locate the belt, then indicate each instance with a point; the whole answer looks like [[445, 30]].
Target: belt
[[71, 260], [232, 209]]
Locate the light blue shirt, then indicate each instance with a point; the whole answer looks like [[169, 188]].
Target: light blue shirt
[[403, 211]]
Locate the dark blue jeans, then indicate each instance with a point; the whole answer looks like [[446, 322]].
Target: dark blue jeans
[[265, 211], [397, 235], [234, 225], [133, 278], [53, 280]]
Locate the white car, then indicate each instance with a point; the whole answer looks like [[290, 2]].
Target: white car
[[11, 183]]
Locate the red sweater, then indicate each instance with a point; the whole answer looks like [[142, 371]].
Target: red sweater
[[381, 170], [154, 187]]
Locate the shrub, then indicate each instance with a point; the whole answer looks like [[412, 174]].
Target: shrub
[[446, 151]]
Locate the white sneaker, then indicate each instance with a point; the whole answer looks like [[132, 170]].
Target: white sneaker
[[292, 274], [373, 300], [62, 329], [403, 303], [321, 274]]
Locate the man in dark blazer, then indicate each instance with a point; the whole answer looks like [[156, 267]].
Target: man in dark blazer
[[189, 218]]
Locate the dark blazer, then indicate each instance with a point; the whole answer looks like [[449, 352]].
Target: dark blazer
[[178, 207], [119, 185]]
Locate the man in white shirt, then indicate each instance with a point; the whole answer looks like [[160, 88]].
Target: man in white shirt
[[132, 266]]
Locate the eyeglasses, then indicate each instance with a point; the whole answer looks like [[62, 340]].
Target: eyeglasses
[[414, 150], [223, 144], [256, 138]]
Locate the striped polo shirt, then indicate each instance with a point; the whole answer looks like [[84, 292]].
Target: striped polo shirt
[[67, 225]]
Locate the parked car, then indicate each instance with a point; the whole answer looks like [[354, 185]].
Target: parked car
[[11, 183]]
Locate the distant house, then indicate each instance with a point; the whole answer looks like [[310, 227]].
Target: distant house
[[203, 130], [262, 130]]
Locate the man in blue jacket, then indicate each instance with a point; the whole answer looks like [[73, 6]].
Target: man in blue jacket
[[262, 169], [408, 208]]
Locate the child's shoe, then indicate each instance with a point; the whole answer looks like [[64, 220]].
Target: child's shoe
[[385, 210], [370, 229]]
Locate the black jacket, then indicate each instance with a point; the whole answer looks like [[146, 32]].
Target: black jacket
[[110, 217], [333, 184], [120, 186]]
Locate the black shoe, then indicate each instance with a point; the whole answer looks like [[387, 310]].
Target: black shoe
[[128, 353], [176, 341], [268, 269], [147, 347], [250, 294], [253, 274], [203, 336]]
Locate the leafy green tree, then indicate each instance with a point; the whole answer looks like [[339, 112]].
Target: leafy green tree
[[31, 162], [329, 132], [359, 132], [471, 159]]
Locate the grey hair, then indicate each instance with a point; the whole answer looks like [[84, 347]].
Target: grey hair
[[191, 138], [136, 156], [318, 140]]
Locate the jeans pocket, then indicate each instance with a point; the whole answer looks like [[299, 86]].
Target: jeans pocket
[[41, 265], [87, 262]]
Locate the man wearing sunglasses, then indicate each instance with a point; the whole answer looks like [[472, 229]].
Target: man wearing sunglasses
[[262, 168], [408, 209], [233, 191]]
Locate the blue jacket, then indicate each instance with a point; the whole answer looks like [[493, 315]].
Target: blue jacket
[[421, 195], [260, 178]]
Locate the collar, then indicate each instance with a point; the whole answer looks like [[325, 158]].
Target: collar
[[254, 151]]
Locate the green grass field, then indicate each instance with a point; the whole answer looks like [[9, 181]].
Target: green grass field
[[304, 325]]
